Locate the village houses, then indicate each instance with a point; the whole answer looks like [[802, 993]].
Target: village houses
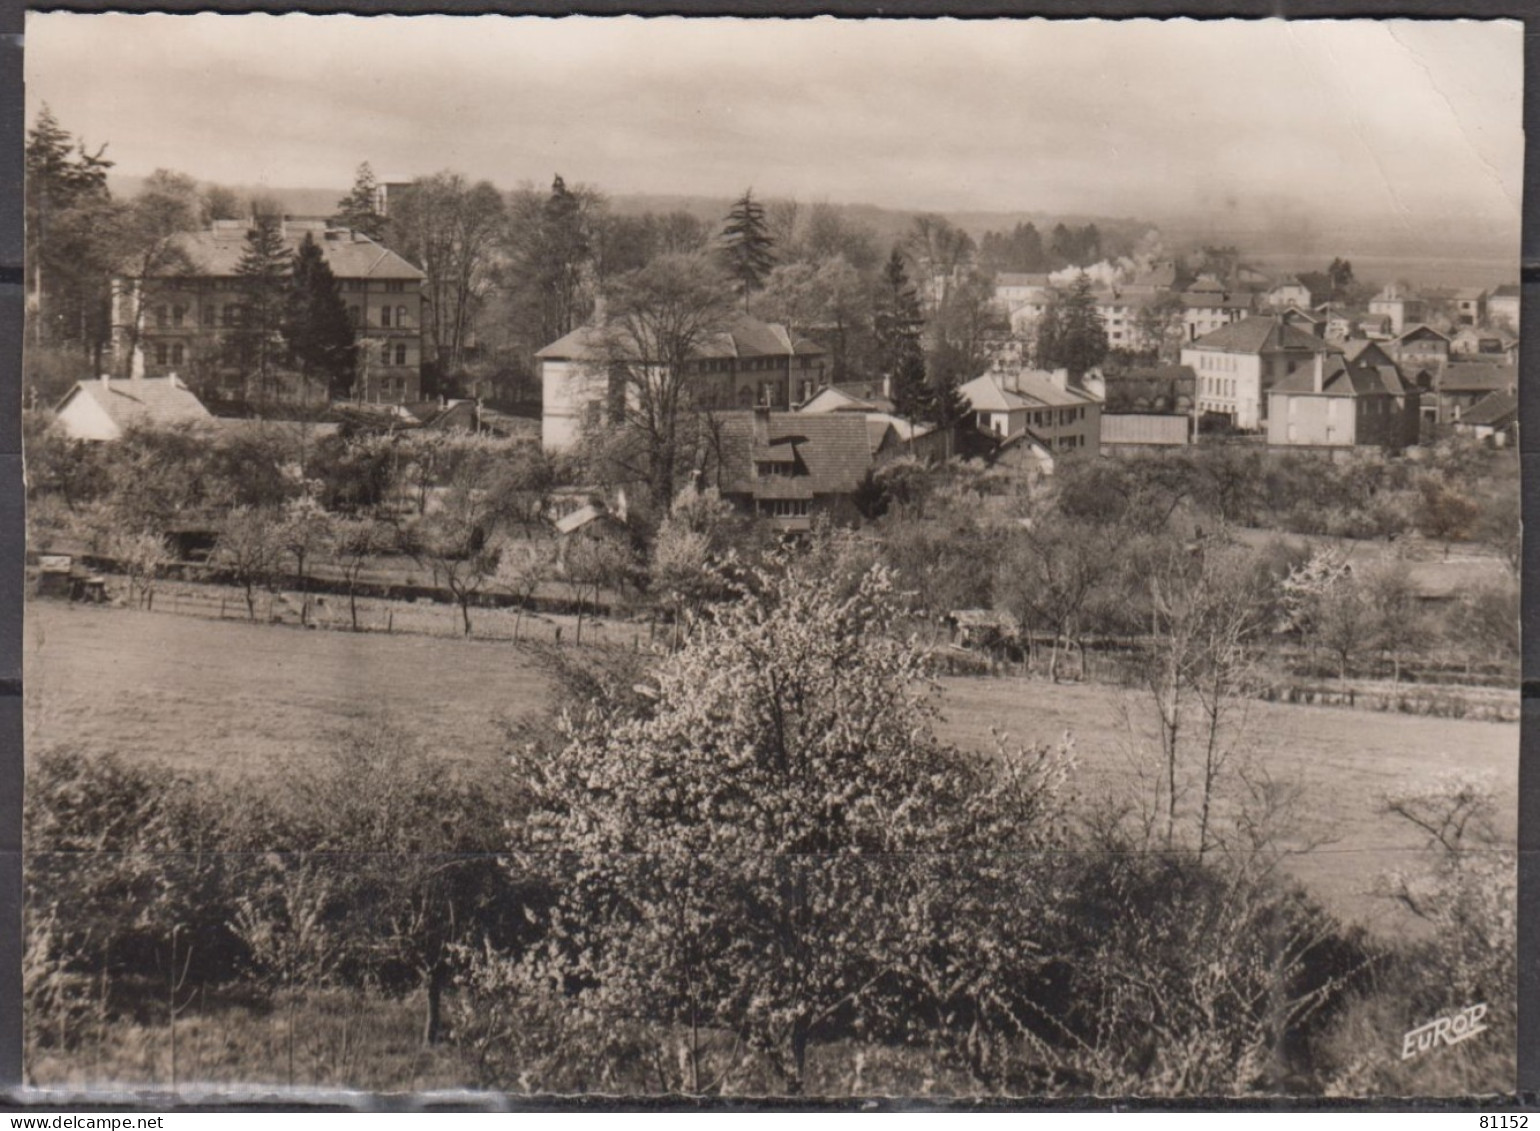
[[1336, 401]]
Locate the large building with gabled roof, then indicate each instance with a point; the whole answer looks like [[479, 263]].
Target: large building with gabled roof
[[747, 363], [1237, 364], [183, 314]]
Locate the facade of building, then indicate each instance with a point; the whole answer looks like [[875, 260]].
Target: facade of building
[[1046, 407], [1205, 311], [1337, 403], [184, 317], [1464, 384], [1237, 364], [1291, 292], [1142, 431], [748, 364], [103, 410], [1343, 324], [1470, 306], [1503, 307], [1421, 347], [1400, 305]]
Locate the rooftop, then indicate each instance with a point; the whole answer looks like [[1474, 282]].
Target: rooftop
[[1496, 410], [831, 453], [1340, 378], [143, 401], [742, 336], [1019, 389], [1262, 334], [350, 255]]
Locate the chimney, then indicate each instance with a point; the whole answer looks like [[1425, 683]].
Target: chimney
[[762, 426], [1060, 379], [1320, 371]]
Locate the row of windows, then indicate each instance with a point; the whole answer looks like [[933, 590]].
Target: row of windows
[[783, 508], [401, 318], [741, 365], [175, 353], [1219, 386], [175, 317], [1223, 363], [392, 286]]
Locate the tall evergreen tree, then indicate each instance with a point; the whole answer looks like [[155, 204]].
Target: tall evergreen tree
[[900, 351], [320, 337], [1071, 334], [66, 199], [565, 253], [747, 248], [359, 210], [263, 281]]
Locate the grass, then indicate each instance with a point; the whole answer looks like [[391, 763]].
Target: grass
[[1345, 761], [248, 700]]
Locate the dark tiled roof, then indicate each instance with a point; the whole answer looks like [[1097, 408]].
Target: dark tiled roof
[[832, 453], [1262, 334], [350, 255], [1339, 378], [1497, 409], [1507, 290], [742, 337], [1421, 329], [1477, 376]]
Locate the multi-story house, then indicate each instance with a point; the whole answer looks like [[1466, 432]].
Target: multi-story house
[[1336, 402], [1503, 307], [1291, 292], [1206, 309], [1400, 305], [1470, 306], [747, 364], [1013, 289], [1421, 347], [1342, 324], [1237, 364], [1041, 406], [184, 316]]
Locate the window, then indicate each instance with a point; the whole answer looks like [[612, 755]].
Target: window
[[160, 317], [178, 353], [400, 316], [784, 508], [400, 353], [395, 286], [209, 314], [385, 354], [160, 353], [384, 316]]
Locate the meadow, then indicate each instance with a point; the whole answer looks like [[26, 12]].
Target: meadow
[[246, 700]]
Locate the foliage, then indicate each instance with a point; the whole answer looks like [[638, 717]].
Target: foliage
[[316, 328], [1070, 334], [359, 210], [250, 550], [659, 316], [255, 346], [747, 249], [900, 353], [449, 227], [724, 850]]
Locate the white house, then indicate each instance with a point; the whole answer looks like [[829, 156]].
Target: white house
[[105, 409]]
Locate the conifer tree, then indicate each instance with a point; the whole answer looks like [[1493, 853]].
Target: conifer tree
[[900, 353], [1071, 334], [262, 278], [747, 247], [65, 197], [359, 210], [320, 336]]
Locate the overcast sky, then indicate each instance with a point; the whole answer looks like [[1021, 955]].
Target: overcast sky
[[1410, 119]]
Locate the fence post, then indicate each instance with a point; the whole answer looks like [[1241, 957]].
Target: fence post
[[221, 608], [390, 621]]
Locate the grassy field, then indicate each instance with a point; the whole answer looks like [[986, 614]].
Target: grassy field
[[250, 699]]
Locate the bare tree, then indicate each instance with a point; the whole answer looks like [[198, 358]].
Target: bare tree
[[660, 317]]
